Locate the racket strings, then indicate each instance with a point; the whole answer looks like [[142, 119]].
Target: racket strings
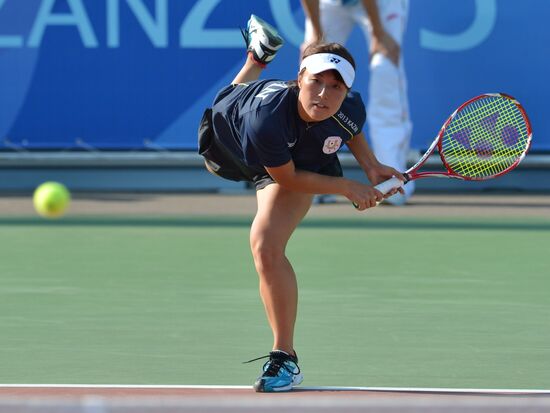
[[475, 142], [485, 138]]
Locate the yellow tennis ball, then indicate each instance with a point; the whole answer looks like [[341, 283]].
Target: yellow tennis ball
[[51, 199]]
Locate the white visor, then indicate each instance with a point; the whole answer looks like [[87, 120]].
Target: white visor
[[317, 63]]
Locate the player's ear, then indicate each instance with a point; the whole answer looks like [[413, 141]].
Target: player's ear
[[300, 76]]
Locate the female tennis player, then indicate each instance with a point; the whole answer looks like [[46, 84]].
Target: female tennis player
[[283, 137]]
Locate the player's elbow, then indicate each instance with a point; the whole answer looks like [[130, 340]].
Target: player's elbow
[[287, 182], [284, 175]]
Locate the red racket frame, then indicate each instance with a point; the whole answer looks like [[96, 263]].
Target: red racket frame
[[412, 174]]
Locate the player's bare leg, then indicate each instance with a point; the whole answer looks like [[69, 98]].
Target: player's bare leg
[[249, 72], [279, 213]]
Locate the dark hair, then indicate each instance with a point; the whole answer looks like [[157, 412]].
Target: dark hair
[[334, 48]]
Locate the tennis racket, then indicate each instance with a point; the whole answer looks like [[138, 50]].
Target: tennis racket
[[484, 138]]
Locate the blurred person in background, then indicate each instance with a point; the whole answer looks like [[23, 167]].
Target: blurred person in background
[[383, 22]]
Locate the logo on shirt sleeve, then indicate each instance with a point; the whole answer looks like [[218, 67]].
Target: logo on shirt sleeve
[[332, 144], [272, 88], [348, 124]]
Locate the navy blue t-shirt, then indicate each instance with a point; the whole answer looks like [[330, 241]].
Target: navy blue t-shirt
[[259, 123]]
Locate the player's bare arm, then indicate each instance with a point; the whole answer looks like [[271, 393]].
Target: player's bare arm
[[375, 171], [365, 196]]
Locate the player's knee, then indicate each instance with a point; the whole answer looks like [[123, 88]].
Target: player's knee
[[267, 255]]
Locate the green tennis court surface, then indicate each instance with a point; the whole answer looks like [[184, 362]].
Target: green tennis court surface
[[397, 302]]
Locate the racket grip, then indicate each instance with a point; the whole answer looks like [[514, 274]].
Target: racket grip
[[387, 186], [390, 184]]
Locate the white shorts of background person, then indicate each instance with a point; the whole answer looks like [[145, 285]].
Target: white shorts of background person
[[388, 117]]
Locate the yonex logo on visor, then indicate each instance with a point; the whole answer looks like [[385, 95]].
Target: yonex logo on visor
[[317, 63]]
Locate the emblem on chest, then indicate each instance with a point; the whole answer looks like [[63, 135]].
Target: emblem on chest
[[332, 144]]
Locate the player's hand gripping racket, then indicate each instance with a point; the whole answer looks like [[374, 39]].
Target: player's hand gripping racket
[[484, 138]]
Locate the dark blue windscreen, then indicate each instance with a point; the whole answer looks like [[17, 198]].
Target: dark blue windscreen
[[136, 74]]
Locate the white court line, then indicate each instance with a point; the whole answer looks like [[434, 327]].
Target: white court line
[[318, 388]]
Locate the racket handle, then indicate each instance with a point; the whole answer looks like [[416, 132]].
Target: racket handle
[[387, 186], [390, 184]]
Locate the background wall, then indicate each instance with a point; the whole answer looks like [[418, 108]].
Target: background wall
[[136, 74]]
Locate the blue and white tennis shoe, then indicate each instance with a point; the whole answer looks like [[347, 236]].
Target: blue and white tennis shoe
[[262, 40], [280, 373]]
